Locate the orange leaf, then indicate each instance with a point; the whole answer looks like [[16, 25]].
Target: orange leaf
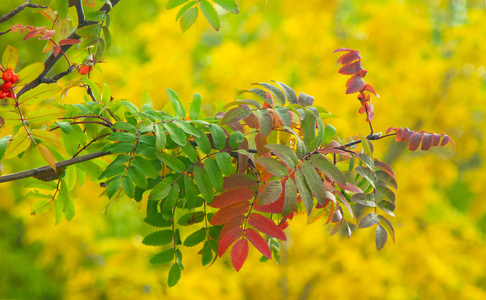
[[239, 253], [266, 225], [229, 212], [232, 196], [238, 181], [256, 239], [47, 155], [68, 42]]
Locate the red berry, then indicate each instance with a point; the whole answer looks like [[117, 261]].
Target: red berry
[[6, 86], [10, 94], [7, 76], [3, 95], [15, 78]]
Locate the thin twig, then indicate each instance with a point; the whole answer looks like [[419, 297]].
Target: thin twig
[[21, 7]]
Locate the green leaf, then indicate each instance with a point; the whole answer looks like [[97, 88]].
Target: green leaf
[[20, 143], [122, 137], [329, 134], [188, 128], [160, 138], [215, 175], [207, 254], [158, 220], [236, 139], [170, 201], [3, 145], [203, 183], [386, 192], [290, 197], [58, 209], [190, 152], [158, 238], [188, 18], [276, 92], [174, 274], [385, 178], [144, 166], [259, 93], [224, 162], [190, 189], [264, 122], [235, 114], [273, 166], [314, 181], [368, 220], [10, 57], [195, 110], [270, 192], [289, 93], [387, 207], [118, 148], [304, 191], [284, 115], [195, 238], [218, 136], [364, 199], [388, 226], [380, 237], [176, 134], [367, 174], [203, 143], [309, 130], [66, 127], [191, 218], [163, 257], [285, 154], [323, 164], [137, 177], [44, 114], [30, 72], [40, 207], [172, 162], [185, 8], [89, 30], [368, 161], [366, 145], [229, 5], [127, 186], [162, 189], [174, 3], [301, 149], [210, 13], [174, 100]]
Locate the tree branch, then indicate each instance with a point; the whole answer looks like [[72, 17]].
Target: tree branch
[[45, 169], [21, 7]]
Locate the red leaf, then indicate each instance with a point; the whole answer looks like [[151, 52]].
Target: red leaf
[[232, 196], [349, 57], [274, 207], [385, 167], [229, 238], [16, 28], [56, 50], [342, 49], [238, 181], [31, 34], [239, 253], [84, 69], [415, 137], [370, 89], [266, 225], [237, 221], [229, 212], [349, 187], [351, 69], [355, 84], [256, 239], [47, 34], [68, 42]]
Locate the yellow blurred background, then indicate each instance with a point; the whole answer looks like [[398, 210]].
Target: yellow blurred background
[[427, 61]]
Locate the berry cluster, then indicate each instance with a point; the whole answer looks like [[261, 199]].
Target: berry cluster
[[9, 79]]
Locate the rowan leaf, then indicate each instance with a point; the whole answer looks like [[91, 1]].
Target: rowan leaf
[[174, 3], [40, 207], [380, 237], [210, 13], [308, 126], [257, 92], [387, 207], [46, 155], [284, 115], [207, 254], [364, 199], [385, 178], [239, 181], [323, 164], [10, 58], [285, 154], [203, 143], [195, 112], [203, 183], [20, 143], [163, 257], [264, 122], [367, 174], [158, 238], [230, 235], [227, 213], [89, 30], [229, 5], [266, 226], [276, 92], [304, 191], [176, 134], [232, 196], [191, 218], [44, 114], [239, 253], [218, 136], [258, 242], [388, 226], [3, 145], [30, 72], [162, 189], [235, 114], [386, 192], [314, 181], [288, 92], [195, 238], [214, 173], [368, 220], [174, 274], [351, 68], [367, 160], [290, 197], [273, 166], [270, 192]]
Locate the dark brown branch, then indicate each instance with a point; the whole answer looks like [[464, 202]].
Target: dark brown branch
[[21, 7], [45, 169]]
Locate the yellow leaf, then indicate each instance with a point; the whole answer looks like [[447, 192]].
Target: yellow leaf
[[47, 155], [45, 136], [39, 94], [20, 143], [30, 73], [10, 58], [45, 114]]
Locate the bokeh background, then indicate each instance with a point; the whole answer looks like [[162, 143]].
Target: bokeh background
[[427, 61]]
